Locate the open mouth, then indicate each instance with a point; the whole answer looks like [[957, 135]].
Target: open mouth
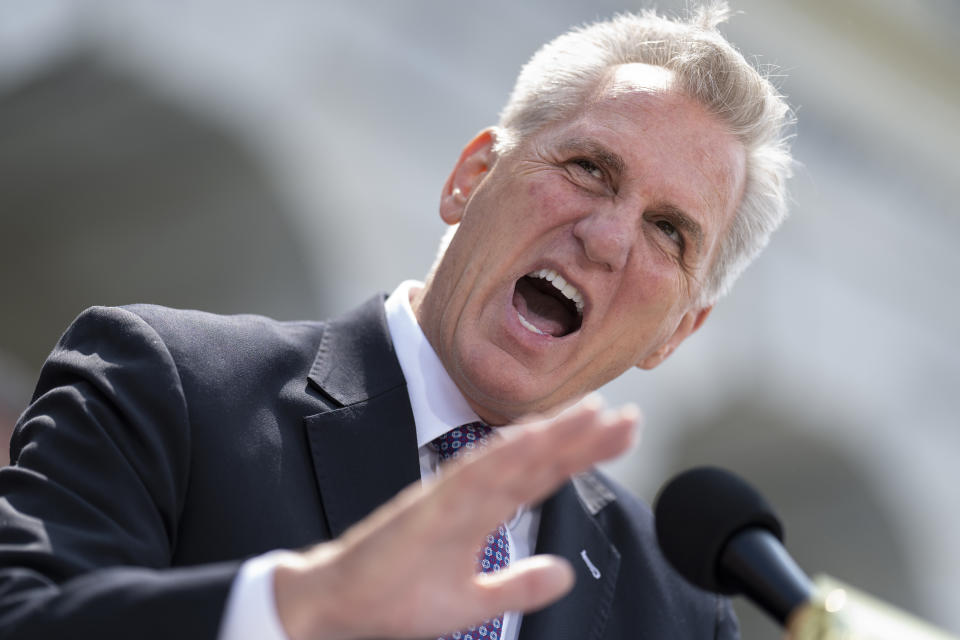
[[547, 304]]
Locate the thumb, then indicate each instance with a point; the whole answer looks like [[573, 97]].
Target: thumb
[[528, 584]]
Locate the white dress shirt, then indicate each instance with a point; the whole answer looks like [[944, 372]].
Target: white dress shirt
[[438, 406]]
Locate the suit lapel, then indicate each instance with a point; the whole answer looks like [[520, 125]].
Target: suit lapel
[[365, 451], [568, 529]]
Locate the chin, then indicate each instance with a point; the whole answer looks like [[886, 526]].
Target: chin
[[502, 394]]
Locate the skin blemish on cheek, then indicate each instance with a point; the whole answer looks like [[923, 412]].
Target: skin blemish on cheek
[[552, 199], [534, 189], [541, 189]]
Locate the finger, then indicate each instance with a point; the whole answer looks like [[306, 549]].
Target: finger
[[610, 434], [543, 442], [532, 464], [528, 584], [580, 437], [607, 435], [569, 444], [592, 401], [536, 462]]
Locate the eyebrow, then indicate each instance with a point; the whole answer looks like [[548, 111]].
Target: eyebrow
[[610, 160], [685, 223]]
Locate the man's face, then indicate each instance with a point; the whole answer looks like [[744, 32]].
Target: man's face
[[626, 201]]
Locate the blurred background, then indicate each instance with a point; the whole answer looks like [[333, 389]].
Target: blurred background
[[286, 158]]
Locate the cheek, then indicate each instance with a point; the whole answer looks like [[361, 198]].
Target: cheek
[[647, 305], [550, 200], [656, 282]]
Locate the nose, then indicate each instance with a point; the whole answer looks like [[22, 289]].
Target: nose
[[607, 237]]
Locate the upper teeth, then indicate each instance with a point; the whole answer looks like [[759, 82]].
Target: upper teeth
[[561, 285]]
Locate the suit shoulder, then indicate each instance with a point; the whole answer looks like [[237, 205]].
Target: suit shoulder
[[202, 347], [169, 320], [188, 332]]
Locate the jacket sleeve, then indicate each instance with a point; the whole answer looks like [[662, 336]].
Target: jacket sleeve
[[89, 508]]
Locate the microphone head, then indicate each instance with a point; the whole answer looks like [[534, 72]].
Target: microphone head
[[698, 512]]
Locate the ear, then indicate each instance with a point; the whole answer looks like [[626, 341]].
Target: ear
[[475, 159], [690, 322]]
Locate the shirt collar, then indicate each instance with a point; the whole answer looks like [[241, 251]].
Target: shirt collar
[[437, 403]]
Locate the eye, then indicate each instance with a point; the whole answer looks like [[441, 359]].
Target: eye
[[670, 231], [589, 167]]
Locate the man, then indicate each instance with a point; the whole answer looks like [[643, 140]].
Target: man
[[637, 168]]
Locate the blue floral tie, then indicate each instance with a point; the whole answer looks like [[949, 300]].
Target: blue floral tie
[[495, 552]]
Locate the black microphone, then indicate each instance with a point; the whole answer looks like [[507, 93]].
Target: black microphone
[[721, 535]]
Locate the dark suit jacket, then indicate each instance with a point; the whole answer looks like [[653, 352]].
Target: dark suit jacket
[[162, 447]]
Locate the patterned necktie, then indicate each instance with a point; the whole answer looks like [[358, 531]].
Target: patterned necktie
[[495, 552]]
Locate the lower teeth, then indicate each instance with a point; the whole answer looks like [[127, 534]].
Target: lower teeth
[[527, 324]]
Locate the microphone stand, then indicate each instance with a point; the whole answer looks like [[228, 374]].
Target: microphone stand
[[839, 612]]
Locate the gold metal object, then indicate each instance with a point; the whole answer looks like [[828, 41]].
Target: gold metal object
[[839, 612]]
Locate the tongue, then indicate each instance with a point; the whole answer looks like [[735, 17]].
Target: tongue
[[542, 310]]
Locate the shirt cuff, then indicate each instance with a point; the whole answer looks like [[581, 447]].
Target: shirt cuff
[[251, 610]]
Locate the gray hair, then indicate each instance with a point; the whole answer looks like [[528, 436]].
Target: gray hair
[[559, 78]]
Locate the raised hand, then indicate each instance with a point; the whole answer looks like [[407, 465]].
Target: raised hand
[[408, 570]]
